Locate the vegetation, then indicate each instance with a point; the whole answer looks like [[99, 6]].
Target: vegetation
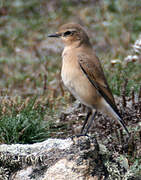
[[24, 125]]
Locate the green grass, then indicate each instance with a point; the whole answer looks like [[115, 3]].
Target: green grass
[[121, 73], [24, 126]]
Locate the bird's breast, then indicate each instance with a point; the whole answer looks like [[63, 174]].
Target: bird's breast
[[69, 73], [76, 81]]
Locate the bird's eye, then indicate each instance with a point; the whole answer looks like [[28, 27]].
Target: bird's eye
[[67, 33]]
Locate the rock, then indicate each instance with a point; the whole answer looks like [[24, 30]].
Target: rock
[[23, 174], [80, 158]]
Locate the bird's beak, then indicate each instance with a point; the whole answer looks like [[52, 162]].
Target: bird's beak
[[57, 35]]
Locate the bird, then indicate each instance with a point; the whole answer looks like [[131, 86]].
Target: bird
[[83, 75]]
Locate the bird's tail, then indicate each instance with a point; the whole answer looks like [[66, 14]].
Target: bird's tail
[[108, 110]]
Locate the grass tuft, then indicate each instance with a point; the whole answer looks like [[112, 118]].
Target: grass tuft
[[24, 126]]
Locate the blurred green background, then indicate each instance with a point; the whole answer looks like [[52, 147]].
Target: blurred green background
[[31, 91]]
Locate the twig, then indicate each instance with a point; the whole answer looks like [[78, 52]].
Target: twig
[[124, 93], [139, 97], [45, 83], [133, 97]]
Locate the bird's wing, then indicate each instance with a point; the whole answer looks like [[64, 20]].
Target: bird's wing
[[91, 67]]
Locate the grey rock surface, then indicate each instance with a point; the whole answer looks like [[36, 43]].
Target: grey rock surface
[[80, 158]]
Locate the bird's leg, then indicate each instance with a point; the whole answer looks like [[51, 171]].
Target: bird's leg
[[89, 112], [90, 122], [86, 120]]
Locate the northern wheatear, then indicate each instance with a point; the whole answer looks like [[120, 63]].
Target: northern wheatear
[[82, 74]]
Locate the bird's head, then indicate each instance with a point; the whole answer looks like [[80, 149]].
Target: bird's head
[[71, 33]]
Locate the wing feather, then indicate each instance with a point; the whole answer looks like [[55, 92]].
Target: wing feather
[[91, 67]]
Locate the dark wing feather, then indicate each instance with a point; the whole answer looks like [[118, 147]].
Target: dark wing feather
[[91, 67]]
